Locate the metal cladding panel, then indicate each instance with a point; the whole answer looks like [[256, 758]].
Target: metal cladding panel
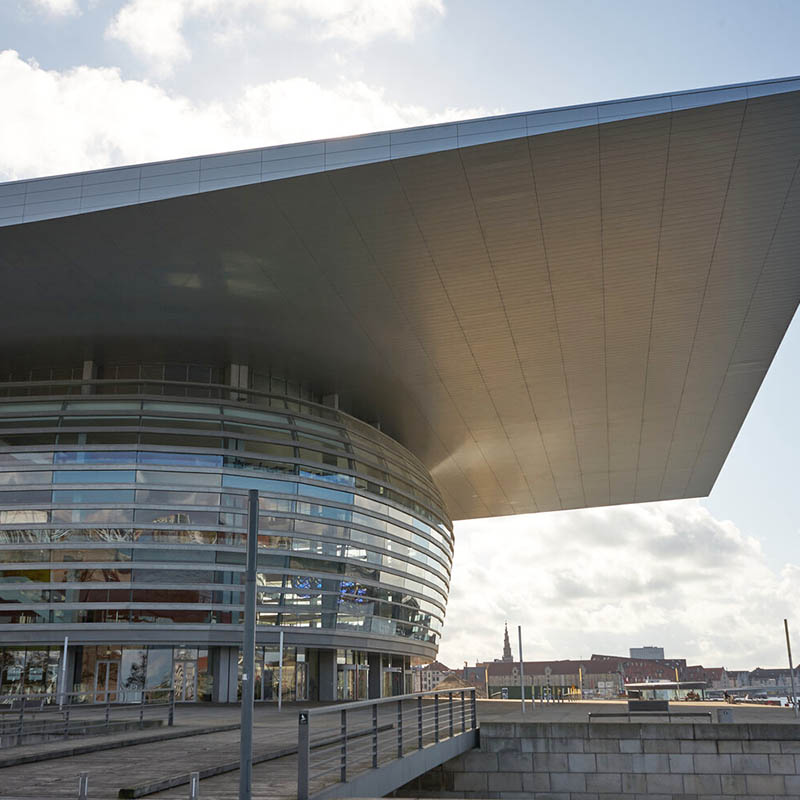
[[576, 311]]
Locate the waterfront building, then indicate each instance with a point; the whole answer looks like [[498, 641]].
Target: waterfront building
[[382, 334], [647, 652]]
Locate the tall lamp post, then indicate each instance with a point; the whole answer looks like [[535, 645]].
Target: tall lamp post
[[249, 651], [791, 668]]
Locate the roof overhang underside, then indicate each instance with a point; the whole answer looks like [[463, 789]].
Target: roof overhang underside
[[574, 318]]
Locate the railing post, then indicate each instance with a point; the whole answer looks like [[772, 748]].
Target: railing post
[[419, 722], [171, 712], [194, 786], [474, 710], [108, 709], [375, 736], [83, 786], [21, 721], [399, 728], [450, 704], [141, 710], [343, 759], [66, 720], [436, 716], [463, 711], [303, 754]]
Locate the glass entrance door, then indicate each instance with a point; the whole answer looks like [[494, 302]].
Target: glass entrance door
[[106, 681], [353, 682], [184, 681]]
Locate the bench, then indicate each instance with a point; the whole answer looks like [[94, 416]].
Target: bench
[[649, 708]]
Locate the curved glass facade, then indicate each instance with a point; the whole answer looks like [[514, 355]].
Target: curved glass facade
[[123, 504]]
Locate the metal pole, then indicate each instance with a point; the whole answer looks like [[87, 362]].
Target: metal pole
[[521, 671], [83, 785], [249, 651], [194, 786], [280, 670], [63, 675], [791, 668]]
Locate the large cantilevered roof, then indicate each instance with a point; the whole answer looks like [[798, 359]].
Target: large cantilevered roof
[[556, 309]]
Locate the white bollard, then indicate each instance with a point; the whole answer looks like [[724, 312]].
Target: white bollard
[[83, 786], [194, 786]]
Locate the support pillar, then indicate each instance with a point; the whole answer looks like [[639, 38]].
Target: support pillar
[[327, 676], [225, 668], [375, 685]]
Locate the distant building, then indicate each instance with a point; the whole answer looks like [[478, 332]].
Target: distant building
[[650, 652], [774, 678], [430, 676], [591, 679], [506, 647]]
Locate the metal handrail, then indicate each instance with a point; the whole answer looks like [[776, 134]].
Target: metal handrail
[[412, 722], [14, 708]]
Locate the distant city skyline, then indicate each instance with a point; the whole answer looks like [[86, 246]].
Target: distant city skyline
[[87, 84]]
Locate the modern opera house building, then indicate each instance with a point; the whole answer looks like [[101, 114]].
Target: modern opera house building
[[381, 334]]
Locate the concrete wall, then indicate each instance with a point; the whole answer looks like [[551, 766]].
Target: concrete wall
[[569, 761]]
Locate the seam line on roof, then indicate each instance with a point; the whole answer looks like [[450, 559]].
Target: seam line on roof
[[402, 311], [743, 324], [653, 303], [458, 322], [603, 298], [555, 319], [703, 298], [511, 336]]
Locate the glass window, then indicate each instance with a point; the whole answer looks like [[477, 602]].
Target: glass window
[[262, 484], [17, 478], [327, 494], [19, 498], [180, 459], [159, 668], [116, 516], [187, 408], [178, 478], [182, 498], [107, 422], [259, 416], [13, 459], [94, 476], [96, 457], [102, 405], [93, 496]]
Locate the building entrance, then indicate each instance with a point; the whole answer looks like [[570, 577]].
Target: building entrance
[[353, 681], [106, 682], [184, 680]]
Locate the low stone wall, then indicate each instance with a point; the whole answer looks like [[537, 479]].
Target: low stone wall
[[636, 761]]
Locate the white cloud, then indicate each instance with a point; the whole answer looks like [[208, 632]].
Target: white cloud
[[154, 29], [59, 8], [87, 118], [604, 580]]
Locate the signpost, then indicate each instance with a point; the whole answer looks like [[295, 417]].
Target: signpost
[[249, 651]]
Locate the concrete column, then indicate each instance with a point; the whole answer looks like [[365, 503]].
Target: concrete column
[[238, 376], [327, 675], [375, 677], [89, 374], [225, 668]]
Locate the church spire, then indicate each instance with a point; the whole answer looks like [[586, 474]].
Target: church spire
[[507, 647]]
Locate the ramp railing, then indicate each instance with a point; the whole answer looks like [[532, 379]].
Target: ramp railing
[[78, 713], [342, 748]]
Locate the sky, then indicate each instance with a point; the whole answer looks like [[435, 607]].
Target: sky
[[87, 84]]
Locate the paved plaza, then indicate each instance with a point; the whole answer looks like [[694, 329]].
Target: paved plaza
[[142, 761]]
